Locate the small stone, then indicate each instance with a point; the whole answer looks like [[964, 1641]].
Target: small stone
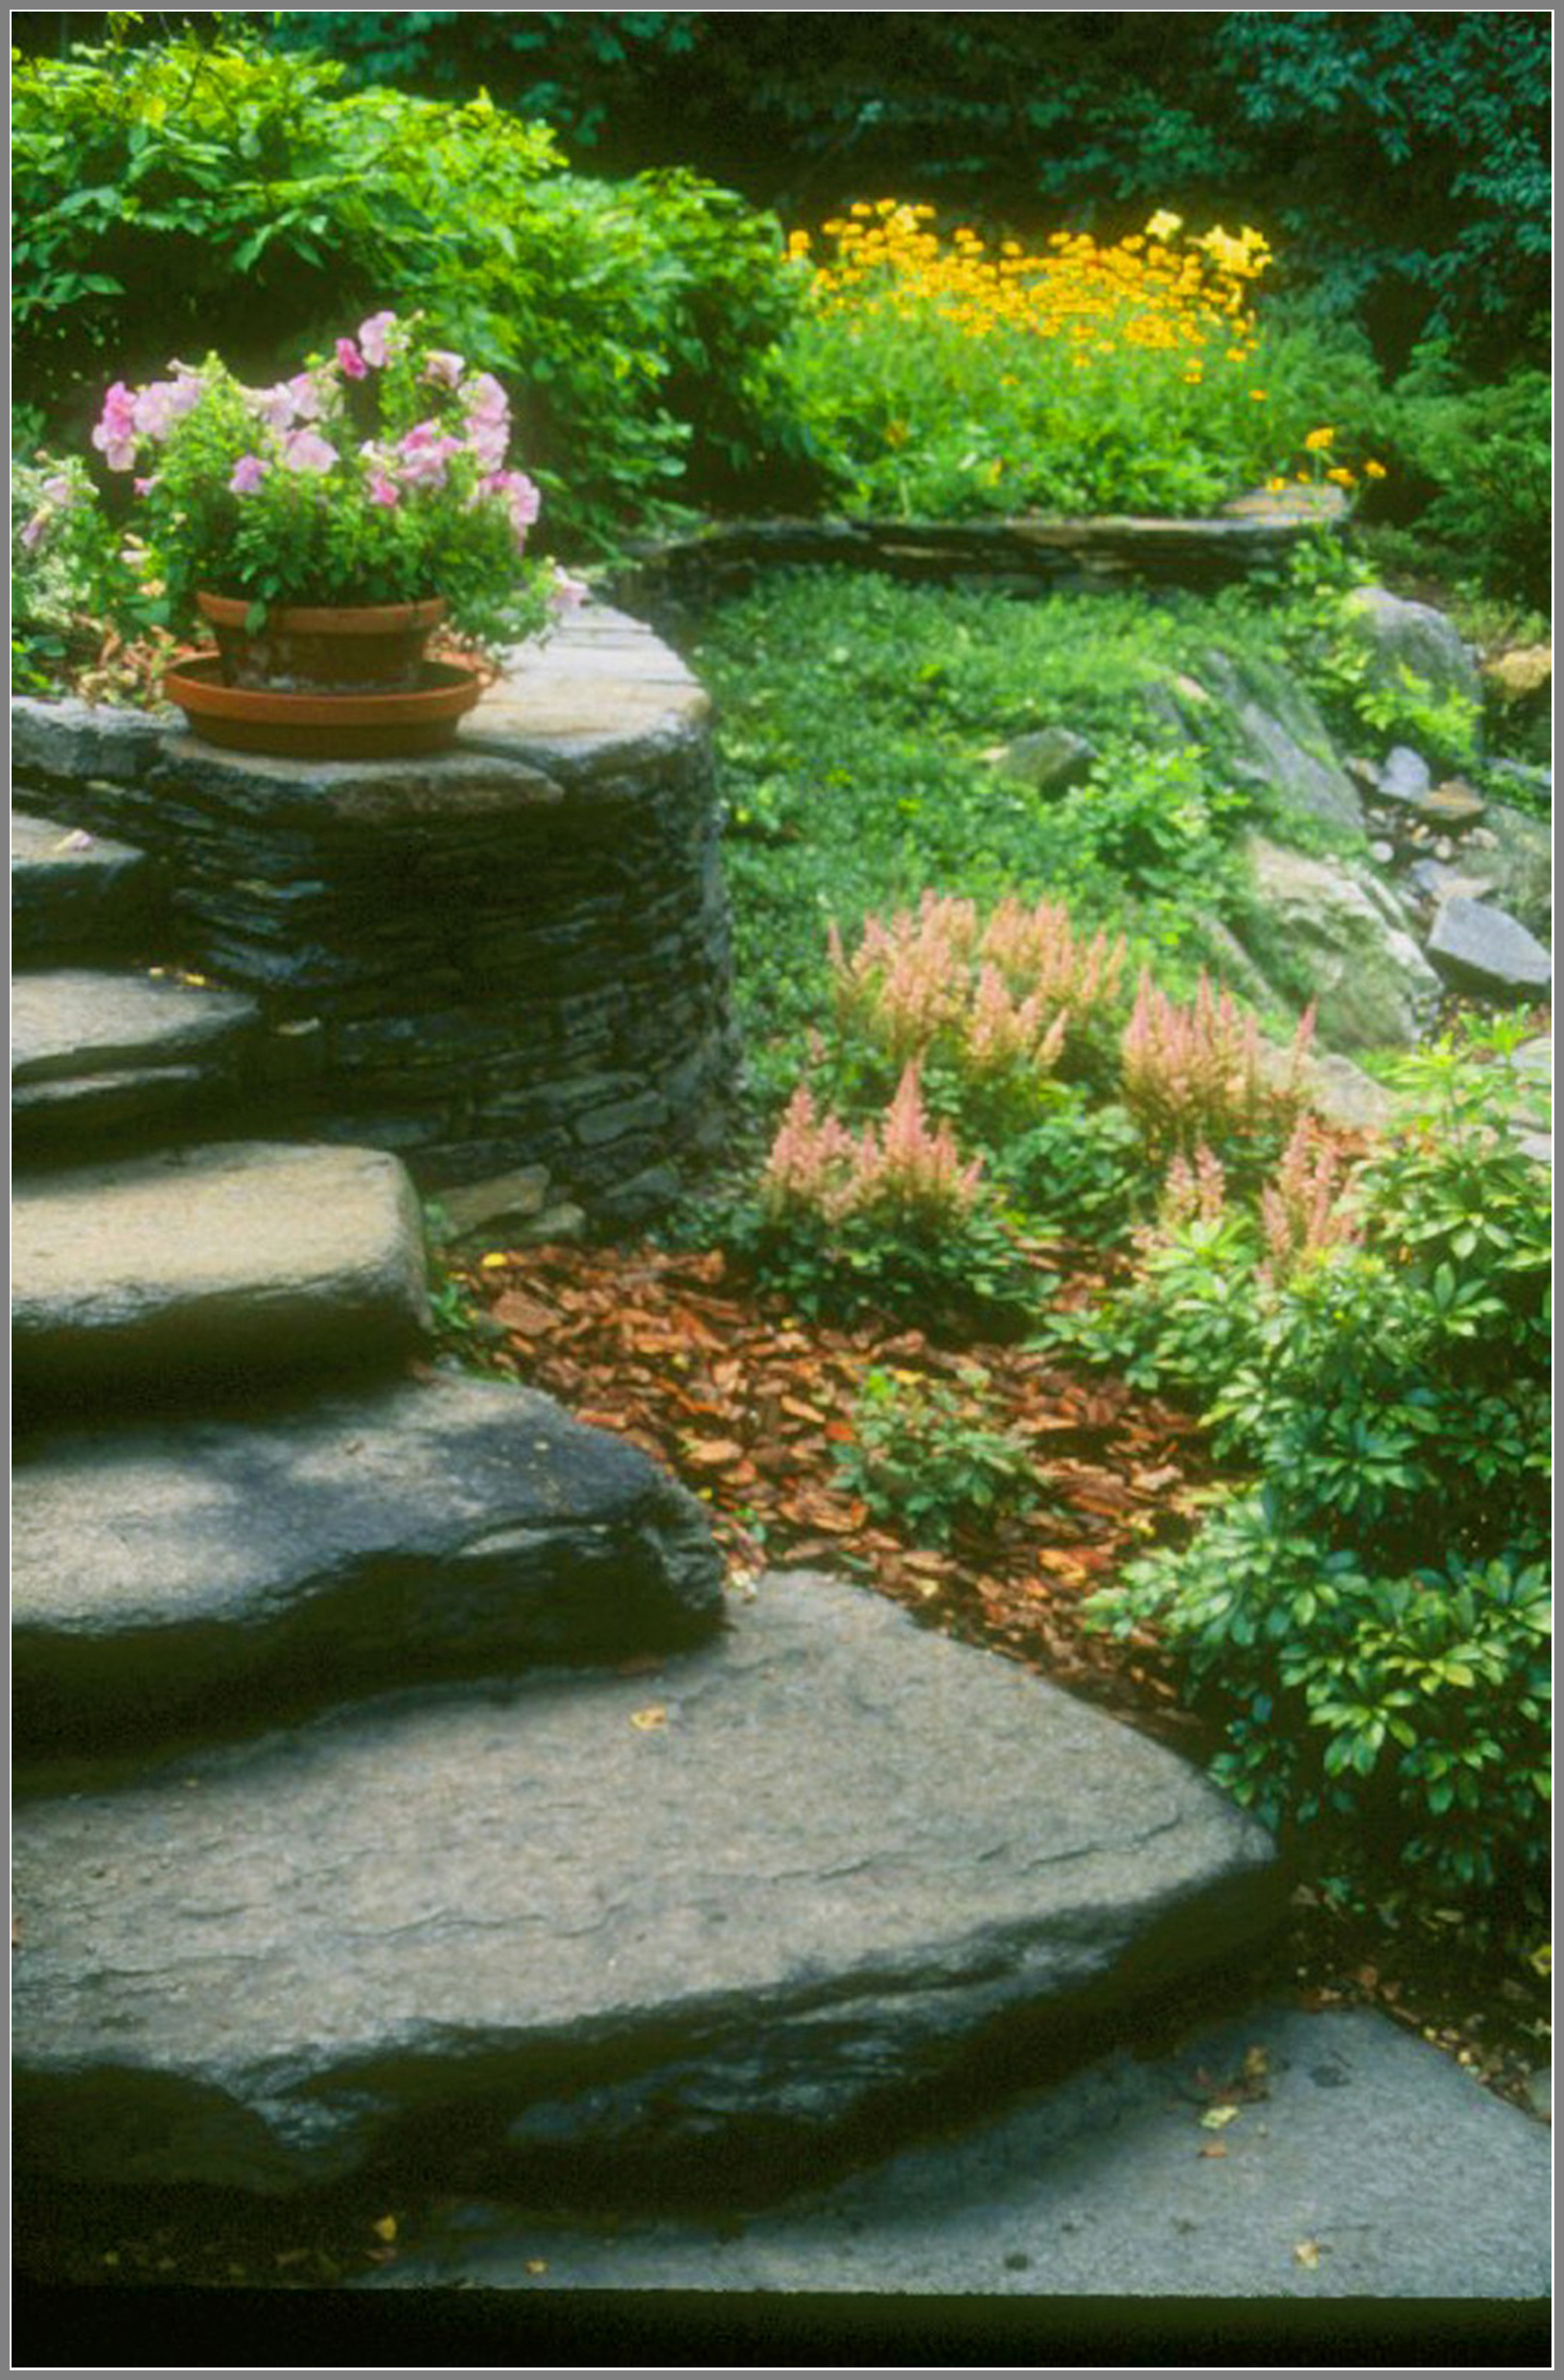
[[1478, 946], [1384, 852], [1540, 2093], [1405, 775], [1456, 802], [1483, 838], [474, 1207], [1444, 848], [1050, 761]]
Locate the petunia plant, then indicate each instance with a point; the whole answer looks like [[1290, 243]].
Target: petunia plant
[[377, 474]]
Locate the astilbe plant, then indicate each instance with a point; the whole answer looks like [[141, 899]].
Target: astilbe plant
[[987, 996], [1196, 1072], [908, 1170], [1303, 1207]]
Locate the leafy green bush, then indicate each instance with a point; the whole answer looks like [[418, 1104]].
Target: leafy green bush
[[195, 195], [1368, 1623], [935, 1458], [69, 576], [1486, 452]]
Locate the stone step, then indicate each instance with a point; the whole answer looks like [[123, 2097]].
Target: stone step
[[715, 1926], [94, 1054], [1356, 2161], [199, 1573], [212, 1271], [77, 895]]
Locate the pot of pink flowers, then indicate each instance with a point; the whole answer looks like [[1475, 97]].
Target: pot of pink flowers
[[321, 529]]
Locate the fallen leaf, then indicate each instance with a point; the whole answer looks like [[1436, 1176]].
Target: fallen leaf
[[713, 1453], [1214, 2118], [1307, 2254], [535, 2265], [1214, 2148], [654, 1716], [385, 2229]]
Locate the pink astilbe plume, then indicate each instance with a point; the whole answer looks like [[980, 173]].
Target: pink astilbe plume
[[1038, 953], [908, 1168], [1301, 1209], [810, 1165], [917, 1171], [908, 981], [1004, 1031], [1194, 1072]]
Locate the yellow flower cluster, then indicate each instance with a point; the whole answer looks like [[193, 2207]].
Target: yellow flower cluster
[[1156, 290]]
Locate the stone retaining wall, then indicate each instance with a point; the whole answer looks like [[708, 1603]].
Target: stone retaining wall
[[514, 956], [1031, 555]]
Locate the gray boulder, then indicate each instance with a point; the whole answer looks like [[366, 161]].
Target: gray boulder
[[196, 1570], [1481, 949], [725, 1922], [1405, 636], [1270, 729], [1050, 761], [212, 1271], [1345, 937], [1404, 776]]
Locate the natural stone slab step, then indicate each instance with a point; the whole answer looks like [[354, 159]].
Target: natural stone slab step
[[91, 1051], [193, 1571], [212, 1269], [718, 1923], [74, 894], [1484, 949], [1372, 2167]]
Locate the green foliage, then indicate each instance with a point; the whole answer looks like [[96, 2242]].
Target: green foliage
[[68, 574], [192, 195], [934, 1458], [1401, 158], [853, 716], [1369, 1622], [1485, 453], [968, 1276]]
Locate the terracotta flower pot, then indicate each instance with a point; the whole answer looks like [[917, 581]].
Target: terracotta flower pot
[[383, 724], [322, 649]]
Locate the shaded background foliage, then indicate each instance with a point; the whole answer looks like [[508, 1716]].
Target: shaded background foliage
[[1397, 159]]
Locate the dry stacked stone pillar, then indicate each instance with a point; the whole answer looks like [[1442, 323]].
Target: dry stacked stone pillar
[[508, 963]]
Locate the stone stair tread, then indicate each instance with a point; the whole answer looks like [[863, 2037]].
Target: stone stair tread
[[1392, 2170], [218, 1267], [88, 1021], [727, 1915], [71, 891], [171, 1571]]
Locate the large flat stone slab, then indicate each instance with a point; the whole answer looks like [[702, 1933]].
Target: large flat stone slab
[[212, 1269], [94, 1050], [721, 1923], [1484, 948], [195, 1571], [1372, 2167], [74, 893]]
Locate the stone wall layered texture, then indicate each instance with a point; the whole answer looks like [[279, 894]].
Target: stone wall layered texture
[[513, 954]]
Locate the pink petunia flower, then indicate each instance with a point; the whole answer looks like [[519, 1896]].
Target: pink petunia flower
[[305, 450], [114, 436], [383, 490], [308, 396], [373, 337], [424, 453], [248, 473], [275, 406], [443, 367], [352, 361], [161, 404]]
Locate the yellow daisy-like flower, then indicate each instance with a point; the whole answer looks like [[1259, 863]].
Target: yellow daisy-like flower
[[1164, 224], [1275, 487], [1373, 471], [1342, 478], [1259, 395], [1319, 440]]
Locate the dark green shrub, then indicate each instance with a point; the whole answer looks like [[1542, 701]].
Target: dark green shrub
[[193, 196], [1368, 1623], [935, 1458]]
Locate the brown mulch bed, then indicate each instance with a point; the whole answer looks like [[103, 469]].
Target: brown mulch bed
[[749, 1405]]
